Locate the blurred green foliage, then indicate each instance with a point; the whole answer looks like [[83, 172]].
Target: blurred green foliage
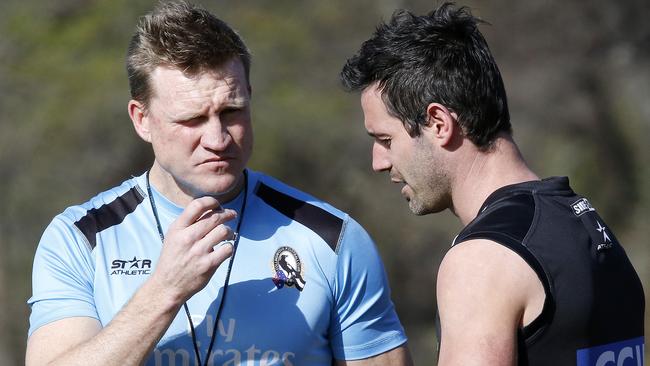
[[577, 74]]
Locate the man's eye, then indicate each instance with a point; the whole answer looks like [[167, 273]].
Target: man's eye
[[191, 121], [385, 142], [230, 111]]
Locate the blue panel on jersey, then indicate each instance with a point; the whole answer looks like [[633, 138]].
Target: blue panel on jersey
[[626, 353]]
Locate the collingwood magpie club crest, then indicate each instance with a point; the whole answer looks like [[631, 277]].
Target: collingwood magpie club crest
[[288, 269]]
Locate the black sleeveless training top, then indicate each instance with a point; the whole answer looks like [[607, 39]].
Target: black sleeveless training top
[[594, 308]]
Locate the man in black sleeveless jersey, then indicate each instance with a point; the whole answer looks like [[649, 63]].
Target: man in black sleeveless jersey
[[536, 277]]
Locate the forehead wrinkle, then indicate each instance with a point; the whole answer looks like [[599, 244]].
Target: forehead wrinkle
[[196, 95], [238, 91], [234, 93]]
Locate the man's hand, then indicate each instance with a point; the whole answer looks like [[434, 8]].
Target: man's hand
[[188, 258], [186, 264]]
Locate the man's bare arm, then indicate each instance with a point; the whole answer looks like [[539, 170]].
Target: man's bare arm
[[485, 293], [186, 264], [126, 340]]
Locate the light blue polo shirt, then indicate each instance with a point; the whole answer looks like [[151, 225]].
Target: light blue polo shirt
[[307, 284]]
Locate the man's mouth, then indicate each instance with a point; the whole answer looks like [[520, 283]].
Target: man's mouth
[[217, 163], [218, 159], [396, 179]]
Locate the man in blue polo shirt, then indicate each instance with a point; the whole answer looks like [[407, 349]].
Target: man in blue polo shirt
[[200, 261]]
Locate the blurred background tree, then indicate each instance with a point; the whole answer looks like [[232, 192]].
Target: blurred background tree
[[577, 75]]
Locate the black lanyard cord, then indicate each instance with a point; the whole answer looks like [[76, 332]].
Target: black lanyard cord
[[227, 279]]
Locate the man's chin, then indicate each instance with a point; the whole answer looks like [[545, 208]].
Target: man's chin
[[416, 210], [420, 209], [226, 186]]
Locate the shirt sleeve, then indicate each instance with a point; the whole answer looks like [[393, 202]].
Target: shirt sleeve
[[365, 322], [62, 276]]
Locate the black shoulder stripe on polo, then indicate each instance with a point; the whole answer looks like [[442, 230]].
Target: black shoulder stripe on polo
[[98, 219], [323, 223]]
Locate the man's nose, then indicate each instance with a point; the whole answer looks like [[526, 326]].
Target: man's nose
[[380, 160], [215, 135]]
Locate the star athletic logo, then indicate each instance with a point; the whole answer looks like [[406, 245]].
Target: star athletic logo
[[288, 269], [607, 242], [131, 267]]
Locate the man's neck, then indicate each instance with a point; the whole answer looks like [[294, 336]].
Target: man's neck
[[481, 173]]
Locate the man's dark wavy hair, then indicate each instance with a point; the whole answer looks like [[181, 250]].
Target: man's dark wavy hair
[[184, 36], [440, 57]]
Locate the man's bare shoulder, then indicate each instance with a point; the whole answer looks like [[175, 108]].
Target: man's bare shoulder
[[485, 292], [484, 270]]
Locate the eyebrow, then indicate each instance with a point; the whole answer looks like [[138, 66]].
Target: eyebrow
[[237, 102], [377, 135]]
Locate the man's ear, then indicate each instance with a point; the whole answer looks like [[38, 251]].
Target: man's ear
[[441, 124], [140, 119]]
